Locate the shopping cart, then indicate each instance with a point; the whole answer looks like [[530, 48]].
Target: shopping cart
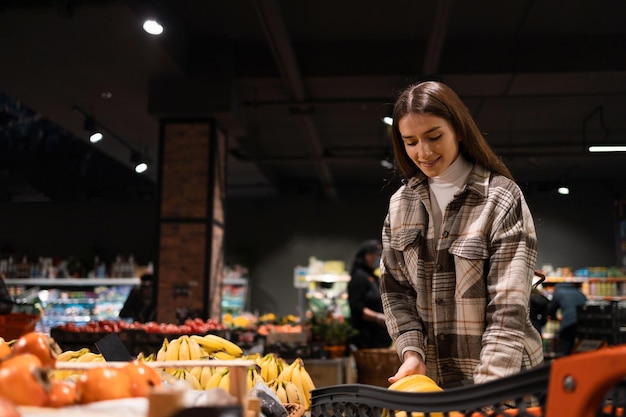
[[580, 385]]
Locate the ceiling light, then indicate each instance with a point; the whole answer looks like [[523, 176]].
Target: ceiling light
[[141, 163], [152, 27], [607, 148], [563, 190], [388, 120], [95, 135]]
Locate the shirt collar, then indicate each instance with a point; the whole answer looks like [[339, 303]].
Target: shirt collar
[[477, 181]]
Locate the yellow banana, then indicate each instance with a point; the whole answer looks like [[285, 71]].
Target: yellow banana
[[65, 356], [183, 349], [292, 393], [222, 355], [272, 368], [296, 379], [415, 383], [307, 382], [194, 383], [195, 351], [88, 357], [207, 371], [225, 381], [226, 345], [286, 373], [213, 381], [171, 354], [209, 345], [161, 353], [197, 372], [279, 388], [253, 376]]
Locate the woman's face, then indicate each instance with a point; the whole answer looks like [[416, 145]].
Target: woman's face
[[430, 142]]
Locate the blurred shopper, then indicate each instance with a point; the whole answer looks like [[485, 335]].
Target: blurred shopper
[[366, 309], [141, 304], [459, 248], [566, 297]]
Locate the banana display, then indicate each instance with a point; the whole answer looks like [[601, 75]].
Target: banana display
[[291, 382]]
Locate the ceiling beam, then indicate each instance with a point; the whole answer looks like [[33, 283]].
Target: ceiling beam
[[436, 38], [279, 41]]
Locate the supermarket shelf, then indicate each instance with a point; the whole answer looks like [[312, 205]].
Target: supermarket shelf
[[327, 278], [73, 282]]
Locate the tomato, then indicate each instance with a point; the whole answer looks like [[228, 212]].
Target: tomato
[[23, 380], [40, 345], [5, 348], [143, 378], [100, 384], [61, 394]]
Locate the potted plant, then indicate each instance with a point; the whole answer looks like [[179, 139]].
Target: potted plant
[[333, 331]]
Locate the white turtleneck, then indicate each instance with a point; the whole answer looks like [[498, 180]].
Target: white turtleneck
[[443, 188]]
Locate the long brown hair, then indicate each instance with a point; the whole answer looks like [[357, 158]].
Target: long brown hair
[[438, 99]]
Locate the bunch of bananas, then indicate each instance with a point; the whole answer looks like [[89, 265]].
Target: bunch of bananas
[[81, 355], [297, 374], [219, 379], [271, 366], [194, 347], [188, 376], [287, 392]]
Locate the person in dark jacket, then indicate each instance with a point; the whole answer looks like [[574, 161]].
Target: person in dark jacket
[[366, 309], [141, 303], [567, 297]]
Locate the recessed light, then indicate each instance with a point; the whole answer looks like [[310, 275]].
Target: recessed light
[[152, 27]]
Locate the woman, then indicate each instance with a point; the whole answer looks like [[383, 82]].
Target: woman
[[459, 248], [366, 310]]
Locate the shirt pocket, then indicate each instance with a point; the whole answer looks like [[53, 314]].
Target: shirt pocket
[[471, 258], [403, 238]]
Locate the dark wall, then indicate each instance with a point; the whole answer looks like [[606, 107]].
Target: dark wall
[[271, 238]]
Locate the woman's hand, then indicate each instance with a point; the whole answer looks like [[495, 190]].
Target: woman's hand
[[412, 364]]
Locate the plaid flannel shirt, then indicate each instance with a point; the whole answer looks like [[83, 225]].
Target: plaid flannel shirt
[[464, 304]]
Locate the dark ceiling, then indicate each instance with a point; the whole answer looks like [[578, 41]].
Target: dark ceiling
[[311, 82]]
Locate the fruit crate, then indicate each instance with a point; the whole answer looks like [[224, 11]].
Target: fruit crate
[[580, 385], [14, 325]]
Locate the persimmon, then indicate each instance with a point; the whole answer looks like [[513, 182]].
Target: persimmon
[[8, 409], [143, 378], [23, 380], [5, 348], [62, 393], [38, 344], [101, 384]]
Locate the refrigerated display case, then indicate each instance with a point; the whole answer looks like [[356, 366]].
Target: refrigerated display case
[[78, 300]]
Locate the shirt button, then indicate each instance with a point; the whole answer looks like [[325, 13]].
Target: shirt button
[[439, 301], [438, 267], [445, 234], [442, 337]]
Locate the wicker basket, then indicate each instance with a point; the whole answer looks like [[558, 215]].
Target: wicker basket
[[375, 366], [14, 325]]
